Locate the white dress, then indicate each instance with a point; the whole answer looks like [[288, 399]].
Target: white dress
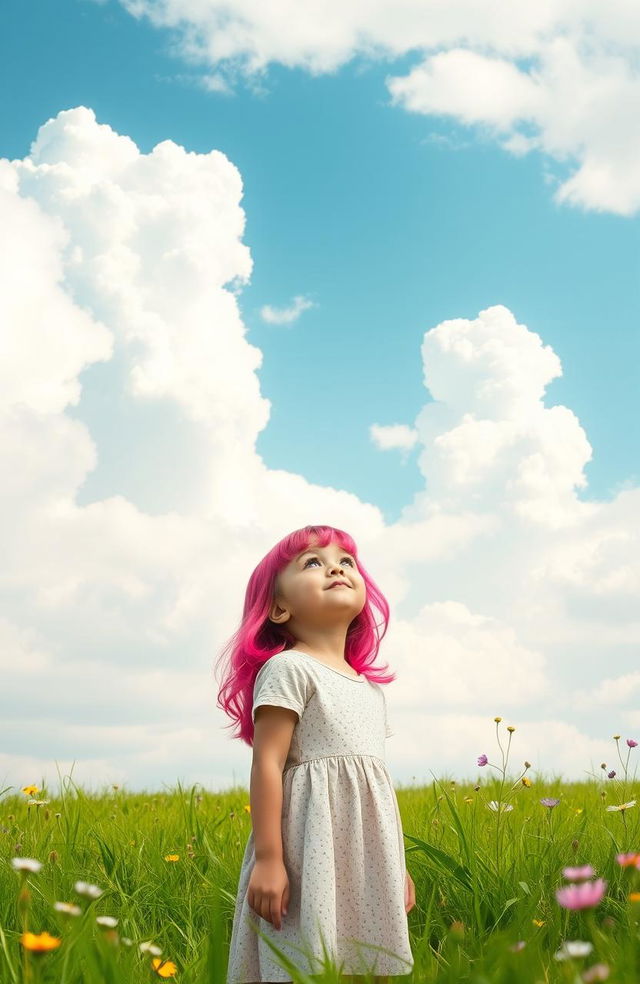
[[342, 838]]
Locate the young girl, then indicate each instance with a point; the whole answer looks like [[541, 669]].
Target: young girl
[[324, 871]]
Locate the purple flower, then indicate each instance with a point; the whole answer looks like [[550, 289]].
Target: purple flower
[[583, 896], [611, 774], [549, 801], [483, 760], [631, 743]]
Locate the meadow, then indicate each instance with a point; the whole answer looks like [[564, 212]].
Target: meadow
[[517, 879]]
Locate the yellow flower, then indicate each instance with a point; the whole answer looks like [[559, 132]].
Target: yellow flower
[[538, 922], [30, 790], [616, 737], [248, 808], [163, 968], [497, 720], [634, 896], [578, 810], [172, 857], [39, 943], [510, 728], [526, 781]]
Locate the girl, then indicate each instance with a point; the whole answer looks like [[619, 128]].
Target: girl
[[324, 871]]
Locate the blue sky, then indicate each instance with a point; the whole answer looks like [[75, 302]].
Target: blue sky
[[449, 209], [369, 212]]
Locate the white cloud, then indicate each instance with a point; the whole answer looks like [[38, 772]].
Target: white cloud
[[284, 316], [389, 436], [505, 587], [557, 77]]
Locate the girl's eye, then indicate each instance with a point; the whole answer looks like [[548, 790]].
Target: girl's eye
[[315, 558]]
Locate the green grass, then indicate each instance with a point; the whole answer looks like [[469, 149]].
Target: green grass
[[481, 878]]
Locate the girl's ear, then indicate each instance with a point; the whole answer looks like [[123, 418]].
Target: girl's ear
[[278, 614]]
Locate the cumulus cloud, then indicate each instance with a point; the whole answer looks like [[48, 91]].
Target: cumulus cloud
[[284, 316], [391, 436], [559, 78], [120, 301]]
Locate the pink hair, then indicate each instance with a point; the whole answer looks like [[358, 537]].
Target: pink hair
[[258, 638]]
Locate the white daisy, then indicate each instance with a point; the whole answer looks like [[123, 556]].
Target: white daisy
[[68, 907], [573, 948], [26, 864], [622, 806], [149, 947], [91, 891]]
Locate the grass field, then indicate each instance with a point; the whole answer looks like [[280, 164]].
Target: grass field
[[517, 880]]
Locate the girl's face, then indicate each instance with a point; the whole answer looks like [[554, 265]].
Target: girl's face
[[304, 588]]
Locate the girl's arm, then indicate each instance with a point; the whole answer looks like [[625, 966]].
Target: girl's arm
[[268, 890]]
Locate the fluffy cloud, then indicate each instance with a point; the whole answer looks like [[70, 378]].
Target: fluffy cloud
[[558, 77], [391, 436], [125, 343]]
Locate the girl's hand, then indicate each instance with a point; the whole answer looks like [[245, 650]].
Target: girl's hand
[[409, 893], [268, 891]]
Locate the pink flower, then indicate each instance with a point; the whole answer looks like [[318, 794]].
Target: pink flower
[[625, 860], [631, 743], [483, 760], [578, 874], [582, 896], [610, 775]]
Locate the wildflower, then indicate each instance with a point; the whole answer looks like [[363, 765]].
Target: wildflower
[[582, 896], [149, 947], [578, 874], [616, 737], [496, 806], [578, 810], [126, 941], [468, 799], [612, 774], [26, 864], [516, 947], [68, 907], [108, 921], [634, 896], [573, 948], [172, 857], [599, 972], [621, 807], [30, 790], [539, 922], [247, 807], [482, 760], [527, 765], [549, 801], [39, 942], [164, 968], [91, 891], [631, 743], [497, 720], [37, 802], [510, 728], [625, 860], [526, 781]]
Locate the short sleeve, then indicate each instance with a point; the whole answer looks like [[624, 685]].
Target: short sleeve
[[282, 681], [387, 729]]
